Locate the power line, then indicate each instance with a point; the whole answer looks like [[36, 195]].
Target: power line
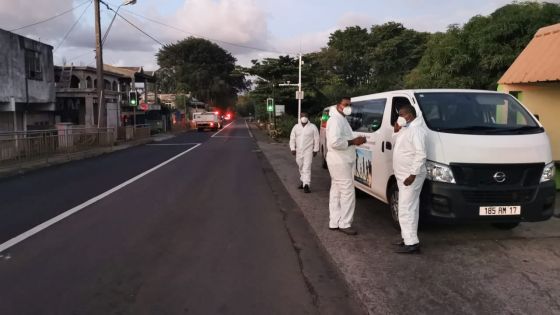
[[51, 18], [132, 24], [73, 25], [200, 36]]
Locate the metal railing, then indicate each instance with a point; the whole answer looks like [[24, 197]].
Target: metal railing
[[29, 145]]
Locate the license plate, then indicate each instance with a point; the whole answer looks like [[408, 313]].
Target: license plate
[[500, 210]]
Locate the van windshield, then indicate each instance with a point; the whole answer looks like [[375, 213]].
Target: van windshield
[[475, 113]]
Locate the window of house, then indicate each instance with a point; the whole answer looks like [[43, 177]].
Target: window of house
[[33, 65], [115, 86], [89, 85]]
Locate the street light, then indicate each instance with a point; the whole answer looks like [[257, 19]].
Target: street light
[[299, 94], [127, 2]]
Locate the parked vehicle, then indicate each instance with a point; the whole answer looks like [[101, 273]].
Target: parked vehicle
[[207, 120], [489, 159]]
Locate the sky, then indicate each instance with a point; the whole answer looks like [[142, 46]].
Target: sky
[[248, 29]]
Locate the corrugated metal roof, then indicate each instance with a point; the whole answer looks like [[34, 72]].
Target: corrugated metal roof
[[539, 61]]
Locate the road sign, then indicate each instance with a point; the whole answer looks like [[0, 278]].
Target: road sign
[[299, 95], [144, 106], [280, 110]]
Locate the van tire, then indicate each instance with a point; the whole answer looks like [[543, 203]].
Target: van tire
[[393, 197], [506, 225]]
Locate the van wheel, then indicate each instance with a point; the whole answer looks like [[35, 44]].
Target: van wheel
[[506, 226], [394, 204]]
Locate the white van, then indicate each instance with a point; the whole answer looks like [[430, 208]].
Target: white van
[[489, 159]]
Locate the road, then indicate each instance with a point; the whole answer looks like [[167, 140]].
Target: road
[[197, 224], [463, 269]]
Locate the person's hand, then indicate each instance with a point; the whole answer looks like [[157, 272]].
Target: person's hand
[[314, 154], [359, 140], [409, 180], [396, 128], [293, 152]]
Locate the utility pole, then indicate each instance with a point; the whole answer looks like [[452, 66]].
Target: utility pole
[[299, 93], [101, 121]]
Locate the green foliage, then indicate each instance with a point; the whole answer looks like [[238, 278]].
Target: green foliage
[[478, 54], [204, 69]]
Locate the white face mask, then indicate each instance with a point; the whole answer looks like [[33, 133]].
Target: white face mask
[[304, 120], [347, 111], [401, 121]]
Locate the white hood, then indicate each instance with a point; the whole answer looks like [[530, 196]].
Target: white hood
[[449, 148]]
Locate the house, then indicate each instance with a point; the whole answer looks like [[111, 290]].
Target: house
[[27, 88], [534, 78], [76, 95]]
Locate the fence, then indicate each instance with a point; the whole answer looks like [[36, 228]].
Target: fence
[[127, 133], [21, 146]]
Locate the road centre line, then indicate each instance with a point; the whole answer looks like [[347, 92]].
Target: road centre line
[[222, 129], [177, 144], [248, 129], [62, 216], [238, 137]]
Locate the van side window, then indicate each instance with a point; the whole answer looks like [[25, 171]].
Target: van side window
[[367, 115], [398, 102]]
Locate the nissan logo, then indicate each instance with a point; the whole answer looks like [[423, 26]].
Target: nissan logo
[[500, 177]]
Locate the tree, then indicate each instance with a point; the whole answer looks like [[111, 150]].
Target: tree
[[477, 55], [203, 68]]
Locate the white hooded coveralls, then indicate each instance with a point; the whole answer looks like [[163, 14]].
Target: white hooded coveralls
[[409, 158], [304, 140], [341, 159]]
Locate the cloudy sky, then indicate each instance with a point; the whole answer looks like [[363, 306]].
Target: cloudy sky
[[249, 29]]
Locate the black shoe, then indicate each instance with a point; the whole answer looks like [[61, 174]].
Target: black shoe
[[409, 249], [398, 242], [348, 231], [300, 186], [306, 189]]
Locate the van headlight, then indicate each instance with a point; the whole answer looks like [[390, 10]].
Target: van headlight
[[439, 172], [548, 172]]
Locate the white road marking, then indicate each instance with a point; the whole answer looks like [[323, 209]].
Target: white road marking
[[93, 200], [238, 137], [222, 129], [248, 129], [178, 144]]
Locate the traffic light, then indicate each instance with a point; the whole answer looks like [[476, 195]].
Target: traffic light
[[133, 98], [269, 104]]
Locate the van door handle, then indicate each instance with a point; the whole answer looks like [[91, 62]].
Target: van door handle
[[388, 145], [383, 146]]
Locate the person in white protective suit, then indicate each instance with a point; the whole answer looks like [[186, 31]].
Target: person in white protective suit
[[341, 159], [409, 165], [304, 143]]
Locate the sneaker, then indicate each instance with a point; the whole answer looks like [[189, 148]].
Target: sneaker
[[409, 249], [348, 231], [306, 189]]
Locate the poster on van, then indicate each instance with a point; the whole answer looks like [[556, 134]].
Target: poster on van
[[363, 172]]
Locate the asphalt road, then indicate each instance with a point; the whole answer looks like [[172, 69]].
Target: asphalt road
[[463, 269], [212, 231]]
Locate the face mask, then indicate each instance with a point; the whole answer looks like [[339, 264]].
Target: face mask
[[347, 111], [402, 122], [304, 120]]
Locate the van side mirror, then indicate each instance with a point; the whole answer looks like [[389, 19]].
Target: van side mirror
[[537, 117]]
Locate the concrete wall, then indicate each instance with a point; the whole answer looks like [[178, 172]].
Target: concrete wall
[[13, 74], [543, 100]]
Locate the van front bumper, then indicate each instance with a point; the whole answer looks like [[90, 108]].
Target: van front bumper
[[443, 202]]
